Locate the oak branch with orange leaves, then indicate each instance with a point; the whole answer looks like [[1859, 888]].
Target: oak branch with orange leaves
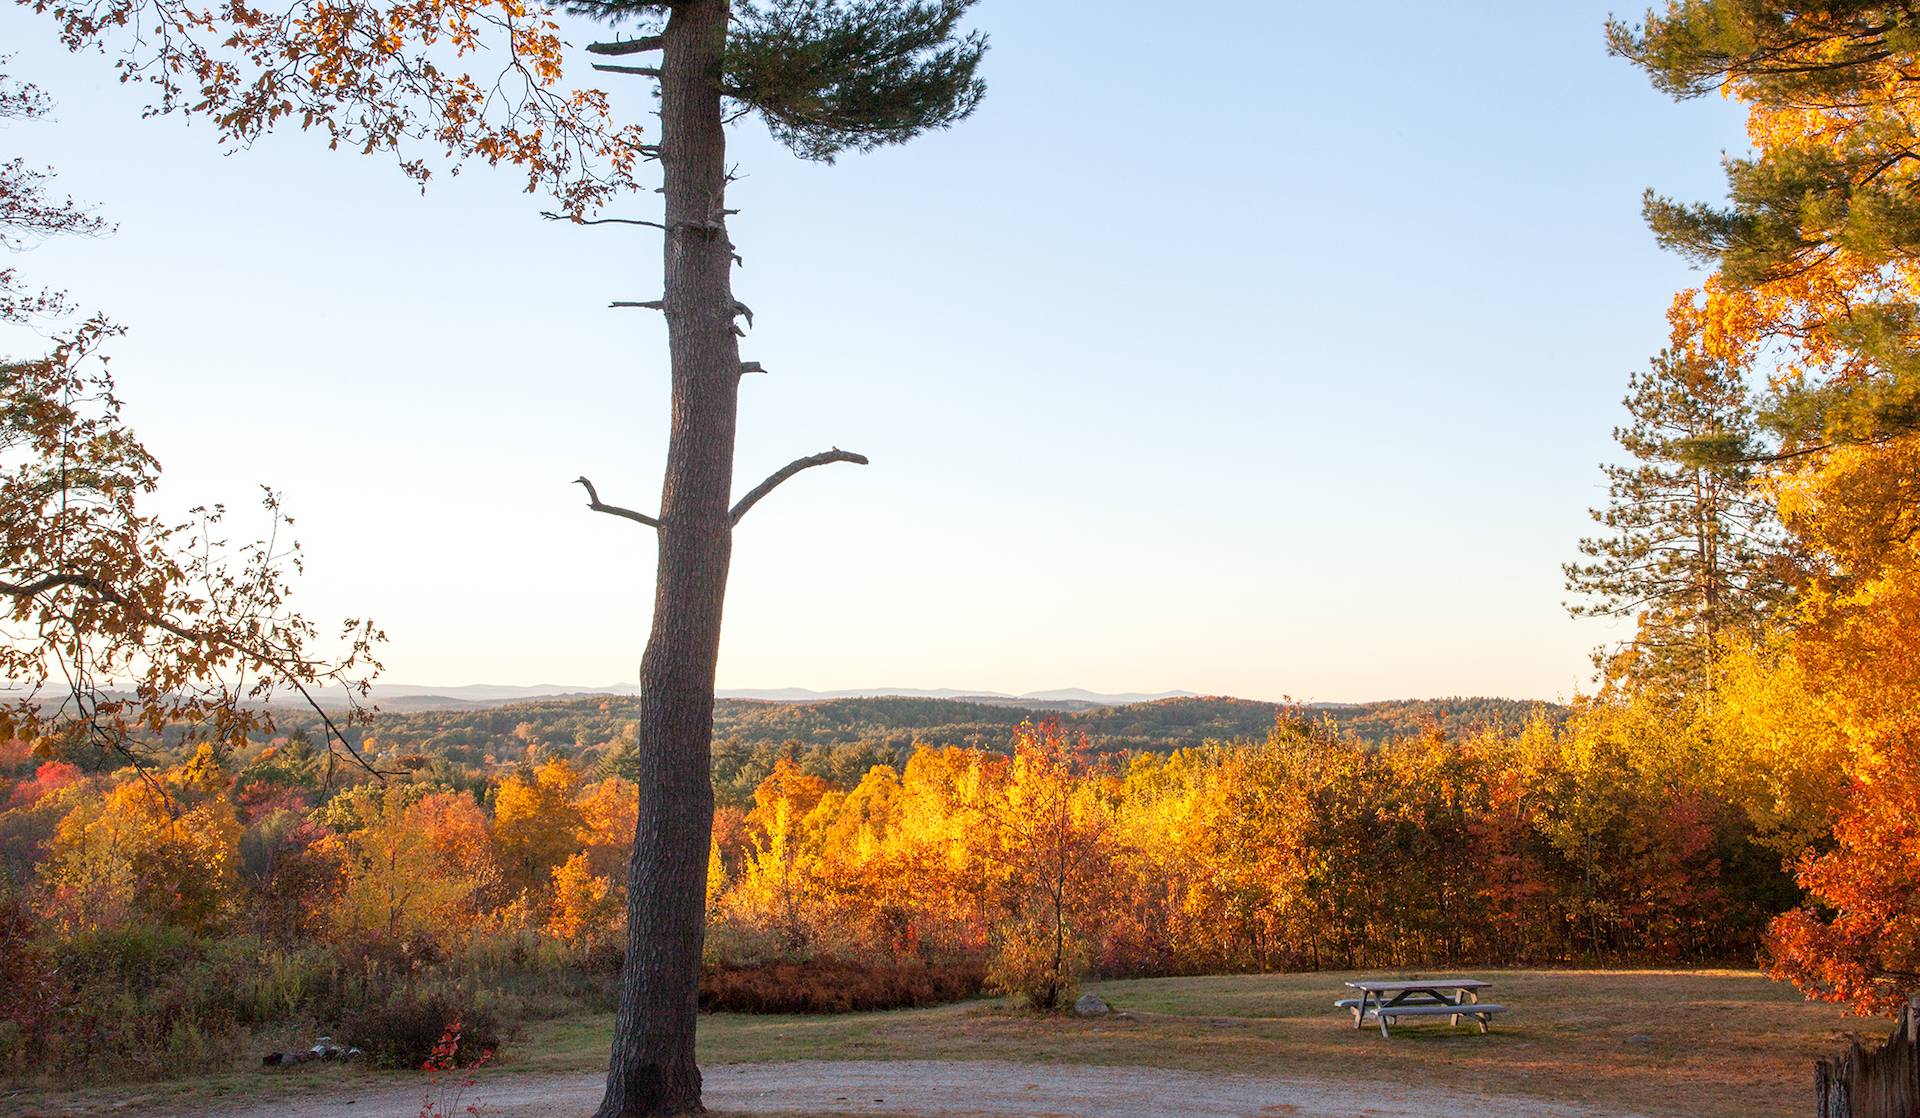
[[120, 626]]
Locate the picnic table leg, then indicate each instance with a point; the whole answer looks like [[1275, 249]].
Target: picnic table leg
[[1360, 1011], [1383, 1022], [1467, 997]]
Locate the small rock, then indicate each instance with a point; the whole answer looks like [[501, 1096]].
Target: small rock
[[1640, 1038], [1092, 1005], [325, 1049]]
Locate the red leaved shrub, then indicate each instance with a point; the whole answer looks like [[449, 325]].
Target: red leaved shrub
[[410, 1030]]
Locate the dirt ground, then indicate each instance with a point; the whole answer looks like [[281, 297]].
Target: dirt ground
[[956, 1089]]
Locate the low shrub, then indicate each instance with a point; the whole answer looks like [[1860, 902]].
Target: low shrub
[[146, 1002], [534, 978], [31, 988], [406, 1030], [1030, 964], [835, 986]]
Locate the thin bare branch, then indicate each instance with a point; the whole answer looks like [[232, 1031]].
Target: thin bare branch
[[593, 502], [787, 471], [643, 71], [551, 216]]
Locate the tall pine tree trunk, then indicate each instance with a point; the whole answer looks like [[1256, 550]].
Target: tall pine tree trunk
[[652, 1071]]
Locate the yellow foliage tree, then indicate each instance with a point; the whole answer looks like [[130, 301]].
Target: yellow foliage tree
[[1050, 832], [402, 879], [147, 852], [536, 826], [608, 811], [777, 890], [584, 908]]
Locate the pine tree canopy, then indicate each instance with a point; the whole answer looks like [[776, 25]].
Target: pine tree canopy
[[1775, 49], [830, 76], [1686, 547], [1822, 223]]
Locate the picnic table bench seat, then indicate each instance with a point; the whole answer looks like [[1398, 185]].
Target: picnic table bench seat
[[1479, 1012], [1388, 1001], [1351, 1004]]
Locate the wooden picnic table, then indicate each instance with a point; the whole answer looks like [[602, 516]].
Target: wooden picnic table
[[1388, 999]]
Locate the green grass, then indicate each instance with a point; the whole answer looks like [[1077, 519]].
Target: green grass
[[1716, 1044]]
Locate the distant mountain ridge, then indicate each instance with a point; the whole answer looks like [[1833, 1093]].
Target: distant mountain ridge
[[1063, 695], [413, 697]]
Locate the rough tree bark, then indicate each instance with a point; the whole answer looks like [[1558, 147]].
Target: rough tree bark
[[652, 1071], [828, 77]]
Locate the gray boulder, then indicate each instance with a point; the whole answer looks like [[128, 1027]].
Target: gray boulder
[[1092, 1005]]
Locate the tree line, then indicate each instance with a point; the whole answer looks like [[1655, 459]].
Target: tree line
[[1621, 836], [839, 739]]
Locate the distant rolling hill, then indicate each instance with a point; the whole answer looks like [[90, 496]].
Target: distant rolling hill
[[402, 696], [841, 738], [584, 720]]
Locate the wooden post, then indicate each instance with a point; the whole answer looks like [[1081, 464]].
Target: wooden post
[[1910, 1073]]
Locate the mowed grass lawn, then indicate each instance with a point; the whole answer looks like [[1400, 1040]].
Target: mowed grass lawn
[[1707, 1043], [1694, 1043]]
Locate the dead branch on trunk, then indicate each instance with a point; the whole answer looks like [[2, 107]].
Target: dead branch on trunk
[[594, 503], [787, 471], [643, 71], [551, 216], [628, 46]]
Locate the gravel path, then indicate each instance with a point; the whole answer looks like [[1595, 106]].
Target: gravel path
[[963, 1089]]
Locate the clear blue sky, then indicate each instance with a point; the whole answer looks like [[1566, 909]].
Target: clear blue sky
[[1267, 351]]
